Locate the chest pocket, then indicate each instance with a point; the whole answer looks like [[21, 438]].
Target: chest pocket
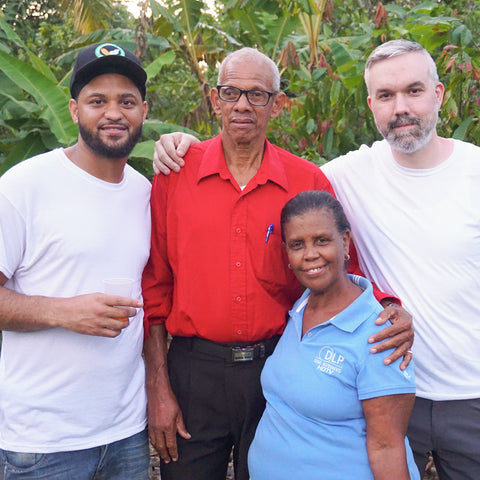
[[271, 270]]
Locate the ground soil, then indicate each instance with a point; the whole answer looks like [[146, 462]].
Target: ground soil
[[431, 473]]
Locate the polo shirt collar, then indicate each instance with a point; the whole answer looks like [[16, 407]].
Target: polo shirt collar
[[214, 163], [353, 316]]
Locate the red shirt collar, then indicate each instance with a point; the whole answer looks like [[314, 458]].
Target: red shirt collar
[[271, 169]]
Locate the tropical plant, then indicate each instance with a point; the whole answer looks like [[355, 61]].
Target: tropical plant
[[197, 43], [328, 114], [320, 46], [89, 15], [34, 99], [34, 107]]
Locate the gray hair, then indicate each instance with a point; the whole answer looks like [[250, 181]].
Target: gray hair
[[394, 48], [248, 53]]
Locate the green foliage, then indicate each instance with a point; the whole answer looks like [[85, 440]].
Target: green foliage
[[329, 114], [34, 95], [320, 46], [34, 109], [51, 98], [27, 16], [198, 42]]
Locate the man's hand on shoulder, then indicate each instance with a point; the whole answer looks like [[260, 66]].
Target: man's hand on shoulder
[[398, 336], [170, 150]]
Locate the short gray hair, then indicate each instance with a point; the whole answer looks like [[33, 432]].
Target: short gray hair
[[394, 48], [252, 53]]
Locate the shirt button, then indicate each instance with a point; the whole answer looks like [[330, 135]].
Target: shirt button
[[238, 230], [239, 332], [309, 334], [238, 299], [238, 264]]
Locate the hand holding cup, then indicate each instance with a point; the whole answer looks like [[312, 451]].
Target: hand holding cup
[[122, 287]]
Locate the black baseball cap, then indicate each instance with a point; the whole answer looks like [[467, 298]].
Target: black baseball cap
[[104, 58]]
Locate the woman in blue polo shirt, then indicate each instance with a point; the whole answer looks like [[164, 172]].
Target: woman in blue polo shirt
[[334, 411]]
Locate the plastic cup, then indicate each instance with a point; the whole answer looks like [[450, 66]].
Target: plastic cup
[[122, 287], [118, 286]]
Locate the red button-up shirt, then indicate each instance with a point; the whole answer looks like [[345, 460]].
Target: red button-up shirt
[[217, 266]]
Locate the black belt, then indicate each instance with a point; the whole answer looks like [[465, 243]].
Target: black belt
[[229, 352]]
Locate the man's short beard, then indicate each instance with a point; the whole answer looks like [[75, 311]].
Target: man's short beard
[[410, 142], [96, 144]]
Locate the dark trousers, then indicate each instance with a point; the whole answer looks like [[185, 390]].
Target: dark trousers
[[221, 402], [450, 430]]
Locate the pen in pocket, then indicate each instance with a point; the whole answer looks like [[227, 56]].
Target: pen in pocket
[[269, 231]]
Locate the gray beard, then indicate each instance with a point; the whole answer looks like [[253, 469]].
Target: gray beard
[[409, 142]]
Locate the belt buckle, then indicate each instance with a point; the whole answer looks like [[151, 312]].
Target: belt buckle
[[243, 354]]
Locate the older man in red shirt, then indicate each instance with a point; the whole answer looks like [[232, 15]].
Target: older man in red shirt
[[217, 279]]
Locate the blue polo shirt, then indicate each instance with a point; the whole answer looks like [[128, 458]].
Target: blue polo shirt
[[313, 426]]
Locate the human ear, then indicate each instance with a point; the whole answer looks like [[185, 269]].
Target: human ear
[[347, 237], [369, 102], [73, 107], [215, 101], [439, 92], [278, 103]]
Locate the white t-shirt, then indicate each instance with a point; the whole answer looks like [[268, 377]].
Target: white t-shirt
[[417, 232], [61, 232]]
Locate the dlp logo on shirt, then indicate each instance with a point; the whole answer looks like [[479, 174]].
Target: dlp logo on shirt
[[329, 361]]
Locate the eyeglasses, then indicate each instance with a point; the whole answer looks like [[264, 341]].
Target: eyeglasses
[[255, 97]]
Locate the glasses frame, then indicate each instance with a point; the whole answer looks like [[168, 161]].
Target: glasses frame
[[245, 92]]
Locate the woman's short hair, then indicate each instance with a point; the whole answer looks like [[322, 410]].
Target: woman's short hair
[[314, 200]]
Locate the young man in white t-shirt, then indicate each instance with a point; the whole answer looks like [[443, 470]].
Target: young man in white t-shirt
[[72, 380], [413, 202]]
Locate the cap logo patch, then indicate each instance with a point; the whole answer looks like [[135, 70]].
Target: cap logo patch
[[106, 49]]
